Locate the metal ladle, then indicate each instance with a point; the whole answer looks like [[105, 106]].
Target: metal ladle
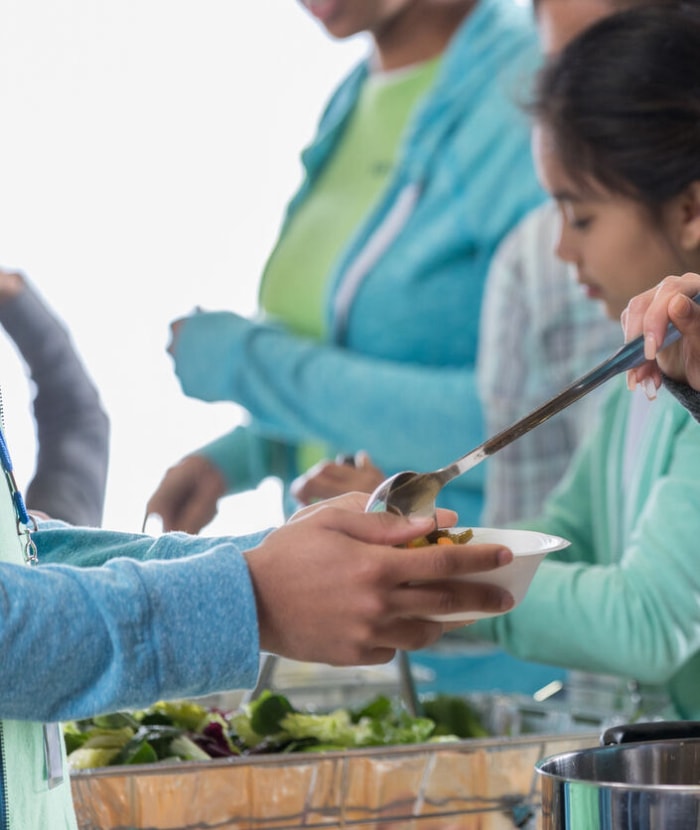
[[413, 494]]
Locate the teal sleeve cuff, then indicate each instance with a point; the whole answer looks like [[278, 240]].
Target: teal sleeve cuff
[[209, 348], [245, 458], [239, 456]]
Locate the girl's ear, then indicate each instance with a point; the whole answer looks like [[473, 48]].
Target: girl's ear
[[690, 217]]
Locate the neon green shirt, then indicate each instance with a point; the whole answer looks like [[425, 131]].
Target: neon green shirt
[[294, 282]]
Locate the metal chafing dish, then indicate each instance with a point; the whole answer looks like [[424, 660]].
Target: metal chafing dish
[[484, 784]]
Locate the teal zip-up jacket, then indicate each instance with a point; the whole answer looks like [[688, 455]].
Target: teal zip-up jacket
[[76, 641], [396, 376], [624, 599]]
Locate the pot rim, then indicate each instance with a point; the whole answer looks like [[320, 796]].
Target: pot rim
[[562, 778]]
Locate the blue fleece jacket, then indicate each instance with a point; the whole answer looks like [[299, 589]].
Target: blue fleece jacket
[[139, 620], [397, 374]]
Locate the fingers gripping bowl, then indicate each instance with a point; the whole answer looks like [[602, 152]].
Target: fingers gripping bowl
[[529, 549]]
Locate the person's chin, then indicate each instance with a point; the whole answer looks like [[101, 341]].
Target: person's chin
[[592, 291], [329, 14], [598, 295]]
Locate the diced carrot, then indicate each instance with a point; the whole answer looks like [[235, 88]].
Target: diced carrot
[[444, 540]]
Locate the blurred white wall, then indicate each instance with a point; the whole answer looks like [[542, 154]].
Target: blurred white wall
[[148, 150]]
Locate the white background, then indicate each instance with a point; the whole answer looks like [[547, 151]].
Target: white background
[[148, 150]]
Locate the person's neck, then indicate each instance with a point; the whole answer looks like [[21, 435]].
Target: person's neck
[[419, 33]]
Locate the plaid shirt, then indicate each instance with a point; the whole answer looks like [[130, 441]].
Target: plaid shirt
[[538, 334]]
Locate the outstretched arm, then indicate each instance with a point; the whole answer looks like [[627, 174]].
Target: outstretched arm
[[299, 390], [182, 616]]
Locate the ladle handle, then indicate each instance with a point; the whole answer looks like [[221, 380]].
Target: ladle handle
[[626, 357]]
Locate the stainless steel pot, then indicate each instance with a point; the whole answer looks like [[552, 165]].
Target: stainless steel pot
[[644, 777]]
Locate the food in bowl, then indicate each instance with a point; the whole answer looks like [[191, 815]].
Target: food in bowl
[[442, 536], [529, 549]]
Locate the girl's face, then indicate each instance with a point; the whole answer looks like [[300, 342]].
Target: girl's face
[[616, 247], [345, 18]]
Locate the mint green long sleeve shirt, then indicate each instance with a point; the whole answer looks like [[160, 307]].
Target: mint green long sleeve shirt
[[624, 599]]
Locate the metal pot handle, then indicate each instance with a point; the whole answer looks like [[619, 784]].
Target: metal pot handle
[[652, 731]]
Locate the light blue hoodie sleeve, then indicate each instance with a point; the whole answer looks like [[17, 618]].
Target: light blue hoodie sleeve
[[245, 457], [118, 632]]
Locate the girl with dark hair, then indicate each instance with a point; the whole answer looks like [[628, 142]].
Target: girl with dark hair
[[616, 142], [538, 333]]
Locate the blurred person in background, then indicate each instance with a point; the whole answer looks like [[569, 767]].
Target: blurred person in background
[[72, 428], [538, 334], [369, 302]]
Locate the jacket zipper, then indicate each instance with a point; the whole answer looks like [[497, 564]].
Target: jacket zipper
[[376, 246]]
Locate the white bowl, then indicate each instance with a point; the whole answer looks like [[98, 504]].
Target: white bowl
[[529, 549]]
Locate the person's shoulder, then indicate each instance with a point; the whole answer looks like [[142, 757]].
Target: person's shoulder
[[496, 32], [511, 21], [344, 95]]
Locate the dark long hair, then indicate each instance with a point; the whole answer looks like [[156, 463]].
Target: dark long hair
[[622, 103]]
